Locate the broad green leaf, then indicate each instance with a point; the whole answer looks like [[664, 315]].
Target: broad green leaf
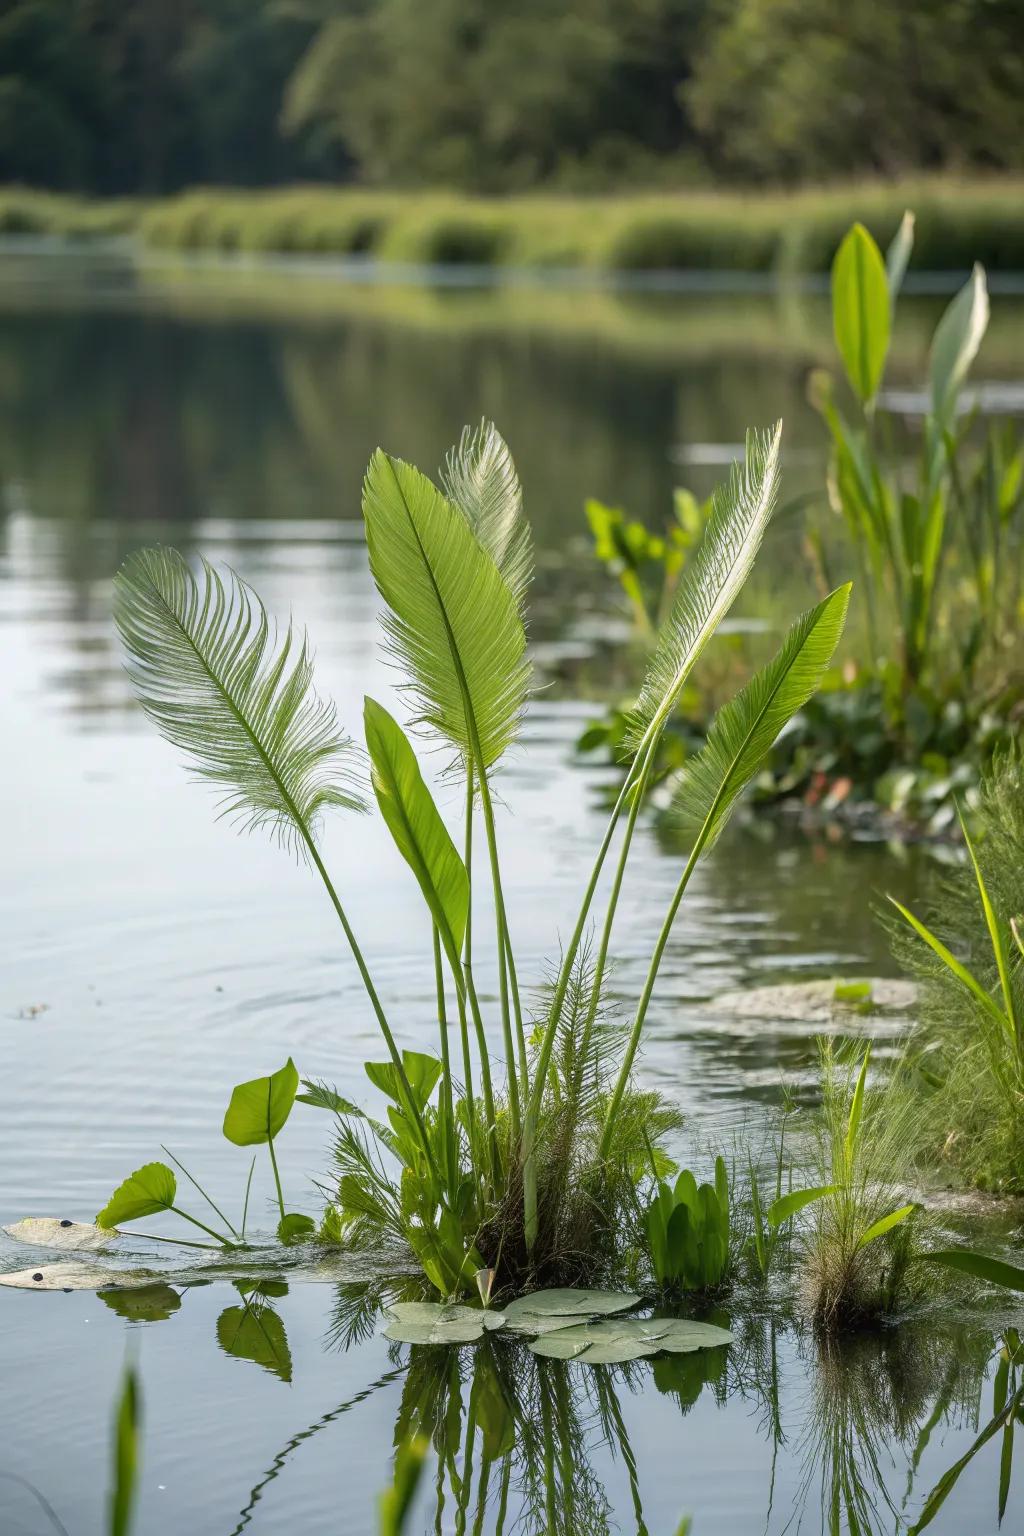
[[453, 622], [852, 992], [255, 1332], [259, 1109], [860, 311], [955, 344], [980, 1265], [710, 583], [431, 1312], [886, 1223], [536, 1323], [321, 1096], [422, 1073], [615, 1340], [460, 1330], [203, 657], [494, 1413], [50, 1232], [856, 1115], [745, 728], [295, 1228], [148, 1190], [153, 1303], [722, 1187], [897, 257], [127, 1427], [565, 1301], [788, 1205], [480, 479], [958, 969], [415, 824]]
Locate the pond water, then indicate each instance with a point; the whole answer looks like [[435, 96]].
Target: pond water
[[152, 958]]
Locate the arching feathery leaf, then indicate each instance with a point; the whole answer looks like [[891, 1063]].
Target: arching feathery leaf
[[480, 479], [208, 670], [745, 728], [454, 623], [710, 582]]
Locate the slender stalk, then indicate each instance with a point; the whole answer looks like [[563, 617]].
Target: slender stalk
[[465, 991], [202, 1191], [180, 1242], [277, 1176], [225, 1242], [371, 992], [446, 1066], [248, 1188], [504, 953], [645, 996]]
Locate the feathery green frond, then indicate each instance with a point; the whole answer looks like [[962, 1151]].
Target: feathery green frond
[[208, 670], [740, 512], [480, 479], [745, 728], [453, 622]]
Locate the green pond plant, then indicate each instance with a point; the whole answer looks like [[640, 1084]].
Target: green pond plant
[[500, 1169]]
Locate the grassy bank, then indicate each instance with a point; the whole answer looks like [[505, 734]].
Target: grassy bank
[[957, 223]]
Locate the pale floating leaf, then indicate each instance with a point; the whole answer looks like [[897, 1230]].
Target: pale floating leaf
[[613, 1341], [51, 1232], [567, 1301], [681, 1336], [537, 1323], [454, 1332]]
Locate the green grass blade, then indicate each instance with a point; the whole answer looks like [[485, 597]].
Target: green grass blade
[[855, 1117], [958, 969], [886, 1223], [127, 1427], [994, 932]]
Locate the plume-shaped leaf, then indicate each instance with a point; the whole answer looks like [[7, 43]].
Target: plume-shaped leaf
[[480, 479], [740, 511], [208, 670], [454, 622], [745, 728]]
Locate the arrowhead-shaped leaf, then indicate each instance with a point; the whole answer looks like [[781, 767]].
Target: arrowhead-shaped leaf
[[259, 1109]]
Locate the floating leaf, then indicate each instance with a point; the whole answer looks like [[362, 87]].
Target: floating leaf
[[537, 1323], [682, 1335], [568, 1302], [49, 1232], [255, 1332], [295, 1228], [149, 1304], [145, 1192], [432, 1322], [259, 1109], [613, 1341]]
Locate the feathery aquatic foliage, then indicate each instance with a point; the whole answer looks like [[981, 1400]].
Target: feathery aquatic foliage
[[480, 479], [454, 623], [745, 728], [711, 581], [205, 661]]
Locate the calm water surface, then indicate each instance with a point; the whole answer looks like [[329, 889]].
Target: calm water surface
[[152, 958]]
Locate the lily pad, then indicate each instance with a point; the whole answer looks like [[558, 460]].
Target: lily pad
[[431, 1322], [613, 1341], [566, 1302], [78, 1277], [50, 1232], [536, 1323]]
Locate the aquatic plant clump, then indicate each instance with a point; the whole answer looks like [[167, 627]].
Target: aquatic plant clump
[[535, 1166]]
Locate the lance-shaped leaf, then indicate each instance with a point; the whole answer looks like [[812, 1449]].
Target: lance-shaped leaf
[[980, 1265], [259, 1109], [745, 728], [480, 479], [711, 580], [787, 1206], [955, 344], [145, 1192], [861, 311], [416, 826], [454, 623], [897, 257], [127, 1431], [208, 670]]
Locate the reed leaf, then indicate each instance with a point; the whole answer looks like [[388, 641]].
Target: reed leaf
[[206, 664], [480, 479], [454, 623], [740, 511], [745, 728]]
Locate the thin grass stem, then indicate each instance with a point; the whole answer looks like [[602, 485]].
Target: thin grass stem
[[194, 1181]]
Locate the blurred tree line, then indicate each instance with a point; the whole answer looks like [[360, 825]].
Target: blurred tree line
[[146, 96]]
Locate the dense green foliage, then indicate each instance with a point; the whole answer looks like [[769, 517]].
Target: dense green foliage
[[149, 97]]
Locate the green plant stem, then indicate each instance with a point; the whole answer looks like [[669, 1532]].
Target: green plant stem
[[225, 1242], [446, 1066], [277, 1176], [465, 991], [504, 950], [371, 992], [195, 1182], [180, 1242], [645, 996], [245, 1204]]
